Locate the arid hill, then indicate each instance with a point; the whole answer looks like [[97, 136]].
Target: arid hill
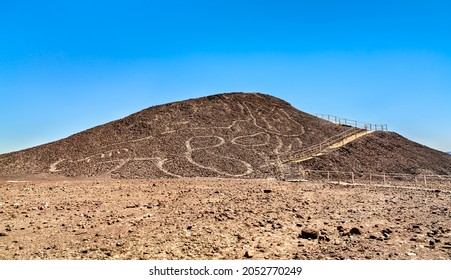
[[234, 135]]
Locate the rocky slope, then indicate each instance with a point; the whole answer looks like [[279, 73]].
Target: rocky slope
[[384, 152], [234, 135]]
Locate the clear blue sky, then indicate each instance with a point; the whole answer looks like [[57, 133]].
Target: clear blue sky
[[65, 67]]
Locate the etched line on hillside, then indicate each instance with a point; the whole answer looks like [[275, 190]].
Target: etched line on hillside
[[108, 154], [159, 163], [234, 140], [205, 127], [254, 120], [252, 140], [190, 150], [53, 166], [279, 145], [130, 141]]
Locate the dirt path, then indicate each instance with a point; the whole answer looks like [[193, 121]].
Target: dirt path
[[333, 143]]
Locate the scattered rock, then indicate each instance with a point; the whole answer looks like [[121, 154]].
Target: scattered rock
[[355, 231], [309, 233], [248, 254], [267, 191], [119, 244], [132, 206], [3, 234], [239, 236], [323, 238]]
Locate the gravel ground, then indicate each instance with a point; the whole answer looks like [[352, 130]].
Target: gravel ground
[[220, 219]]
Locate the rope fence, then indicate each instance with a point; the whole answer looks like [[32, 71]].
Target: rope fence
[[390, 179]]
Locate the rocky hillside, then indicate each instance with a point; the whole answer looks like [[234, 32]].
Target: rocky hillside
[[384, 152], [234, 135]]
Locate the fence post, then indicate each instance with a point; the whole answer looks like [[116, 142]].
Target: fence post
[[425, 182], [352, 173], [328, 176], [385, 182], [371, 179]]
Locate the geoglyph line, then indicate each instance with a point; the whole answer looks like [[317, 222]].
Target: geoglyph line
[[252, 135], [189, 157], [160, 162]]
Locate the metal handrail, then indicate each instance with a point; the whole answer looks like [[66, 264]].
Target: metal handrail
[[354, 123]]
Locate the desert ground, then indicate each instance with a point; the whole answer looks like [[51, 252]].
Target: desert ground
[[220, 219]]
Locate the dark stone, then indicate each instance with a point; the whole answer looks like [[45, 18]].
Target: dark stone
[[323, 238], [309, 233], [267, 191], [355, 231], [2, 234]]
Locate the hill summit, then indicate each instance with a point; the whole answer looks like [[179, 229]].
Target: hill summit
[[232, 135]]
